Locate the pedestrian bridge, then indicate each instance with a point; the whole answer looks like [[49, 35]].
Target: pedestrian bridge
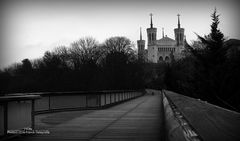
[[149, 117]]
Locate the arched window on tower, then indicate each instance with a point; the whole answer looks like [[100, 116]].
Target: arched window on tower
[[149, 37], [180, 39], [167, 59], [160, 59]]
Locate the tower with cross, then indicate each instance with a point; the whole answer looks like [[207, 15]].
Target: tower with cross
[[141, 46], [151, 32], [179, 33]]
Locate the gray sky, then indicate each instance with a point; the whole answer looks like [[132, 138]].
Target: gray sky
[[31, 27]]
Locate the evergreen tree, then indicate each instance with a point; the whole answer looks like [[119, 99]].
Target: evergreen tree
[[209, 60], [213, 52]]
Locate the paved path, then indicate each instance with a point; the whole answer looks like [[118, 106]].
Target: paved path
[[138, 119]]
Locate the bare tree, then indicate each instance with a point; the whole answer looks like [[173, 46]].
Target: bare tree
[[63, 54], [84, 51], [119, 44]]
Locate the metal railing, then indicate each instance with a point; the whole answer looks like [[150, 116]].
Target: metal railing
[[62, 101]]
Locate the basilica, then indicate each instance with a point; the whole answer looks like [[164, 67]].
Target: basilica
[[164, 49]]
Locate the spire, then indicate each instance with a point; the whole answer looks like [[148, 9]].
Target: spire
[[178, 20], [163, 32], [151, 25], [140, 33]]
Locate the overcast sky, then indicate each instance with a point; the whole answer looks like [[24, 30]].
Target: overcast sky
[[31, 27]]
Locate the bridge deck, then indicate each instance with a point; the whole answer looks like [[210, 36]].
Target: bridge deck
[[138, 119]]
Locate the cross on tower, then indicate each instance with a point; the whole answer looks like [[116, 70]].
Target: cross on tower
[[140, 33], [178, 20], [151, 20], [151, 14], [163, 32]]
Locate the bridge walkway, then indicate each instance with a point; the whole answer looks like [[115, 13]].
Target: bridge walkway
[[138, 119]]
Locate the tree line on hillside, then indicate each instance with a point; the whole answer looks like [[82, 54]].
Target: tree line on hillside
[[209, 70], [85, 65]]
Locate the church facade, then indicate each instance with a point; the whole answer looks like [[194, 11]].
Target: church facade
[[164, 49]]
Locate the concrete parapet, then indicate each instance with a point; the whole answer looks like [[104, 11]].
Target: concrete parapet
[[199, 120], [173, 128]]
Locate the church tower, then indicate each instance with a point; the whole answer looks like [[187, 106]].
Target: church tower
[[151, 33], [141, 45], [179, 34]]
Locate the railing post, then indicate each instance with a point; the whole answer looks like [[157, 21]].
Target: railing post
[[99, 100], [5, 111], [49, 103], [86, 101], [32, 114], [105, 98], [119, 96], [110, 98]]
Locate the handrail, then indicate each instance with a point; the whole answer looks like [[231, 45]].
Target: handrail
[[73, 92], [18, 97]]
